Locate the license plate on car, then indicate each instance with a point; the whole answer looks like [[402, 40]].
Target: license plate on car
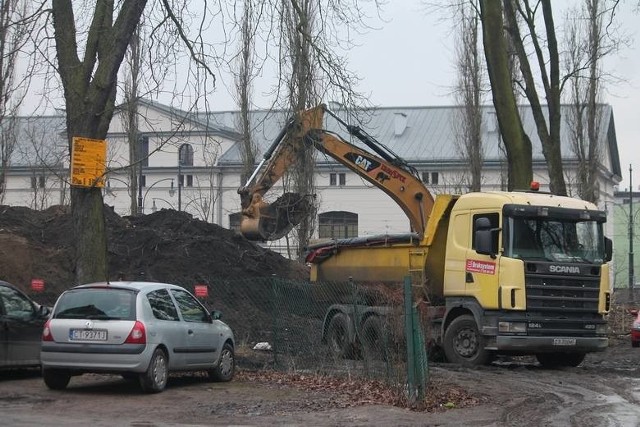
[[564, 341], [88, 334]]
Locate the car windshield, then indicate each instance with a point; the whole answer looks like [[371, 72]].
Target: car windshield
[[96, 303], [555, 240]]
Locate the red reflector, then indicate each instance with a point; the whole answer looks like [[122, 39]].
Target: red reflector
[[46, 332], [535, 186], [138, 335]]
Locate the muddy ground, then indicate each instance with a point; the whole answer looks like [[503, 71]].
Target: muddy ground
[[603, 391], [170, 246]]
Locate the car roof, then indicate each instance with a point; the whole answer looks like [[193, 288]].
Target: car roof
[[130, 285]]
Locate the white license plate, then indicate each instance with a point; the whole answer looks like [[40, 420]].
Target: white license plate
[[564, 341], [88, 334]]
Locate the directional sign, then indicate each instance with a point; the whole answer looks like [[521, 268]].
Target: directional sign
[[88, 162]]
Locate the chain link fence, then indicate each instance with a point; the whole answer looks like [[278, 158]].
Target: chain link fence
[[338, 328]]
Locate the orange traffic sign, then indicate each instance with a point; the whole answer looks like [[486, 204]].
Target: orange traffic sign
[[88, 162]]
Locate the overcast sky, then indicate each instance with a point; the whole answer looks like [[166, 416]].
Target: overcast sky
[[408, 62]]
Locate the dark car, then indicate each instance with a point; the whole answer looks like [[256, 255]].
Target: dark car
[[21, 323], [635, 328]]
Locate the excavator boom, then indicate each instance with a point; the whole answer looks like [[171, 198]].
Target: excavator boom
[[263, 221]]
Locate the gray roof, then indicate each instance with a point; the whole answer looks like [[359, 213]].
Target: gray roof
[[429, 134]]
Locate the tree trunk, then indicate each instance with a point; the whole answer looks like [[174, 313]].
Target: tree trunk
[[517, 143]]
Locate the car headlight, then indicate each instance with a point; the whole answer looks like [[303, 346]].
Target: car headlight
[[512, 327]]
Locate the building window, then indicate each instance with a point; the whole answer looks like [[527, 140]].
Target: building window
[[144, 150], [189, 180], [335, 178], [337, 225], [181, 180], [185, 155], [434, 178], [143, 181], [234, 221], [425, 177], [38, 181]]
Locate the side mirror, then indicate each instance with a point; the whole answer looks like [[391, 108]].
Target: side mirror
[[484, 242], [216, 315], [608, 249], [44, 311]]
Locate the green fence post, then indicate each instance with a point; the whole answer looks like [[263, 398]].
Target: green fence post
[[421, 361], [276, 314], [408, 329]]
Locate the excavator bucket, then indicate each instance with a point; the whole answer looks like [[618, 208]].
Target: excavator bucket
[[275, 220]]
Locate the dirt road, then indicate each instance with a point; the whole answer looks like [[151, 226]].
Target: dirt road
[[604, 391]]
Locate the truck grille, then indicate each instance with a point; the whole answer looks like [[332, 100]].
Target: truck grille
[[548, 291]]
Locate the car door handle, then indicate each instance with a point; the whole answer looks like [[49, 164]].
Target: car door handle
[[190, 331]]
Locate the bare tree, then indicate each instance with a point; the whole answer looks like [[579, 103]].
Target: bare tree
[[468, 92], [16, 24], [244, 81], [587, 43], [90, 88]]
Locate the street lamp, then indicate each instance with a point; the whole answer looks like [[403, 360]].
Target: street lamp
[[631, 269], [181, 160], [153, 185], [154, 208]]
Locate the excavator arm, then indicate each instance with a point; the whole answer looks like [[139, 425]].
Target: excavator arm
[[385, 170]]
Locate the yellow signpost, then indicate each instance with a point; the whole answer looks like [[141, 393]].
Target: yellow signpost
[[88, 162]]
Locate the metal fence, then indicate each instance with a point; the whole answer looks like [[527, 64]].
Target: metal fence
[[304, 327]]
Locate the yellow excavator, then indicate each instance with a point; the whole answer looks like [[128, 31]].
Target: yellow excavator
[[521, 272]]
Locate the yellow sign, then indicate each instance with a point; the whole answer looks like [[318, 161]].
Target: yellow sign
[[88, 162]]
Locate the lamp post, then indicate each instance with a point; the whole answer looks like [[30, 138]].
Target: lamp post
[[631, 269], [149, 189], [154, 208], [180, 178]]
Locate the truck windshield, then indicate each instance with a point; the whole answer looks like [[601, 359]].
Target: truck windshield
[[554, 240]]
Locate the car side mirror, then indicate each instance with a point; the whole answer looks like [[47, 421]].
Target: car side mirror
[[44, 311], [216, 315], [608, 249]]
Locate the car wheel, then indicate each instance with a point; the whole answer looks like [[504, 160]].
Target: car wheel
[[557, 360], [155, 379], [338, 338], [56, 379], [226, 365], [463, 344], [374, 338]]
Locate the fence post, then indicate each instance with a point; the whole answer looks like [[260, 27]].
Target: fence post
[[408, 332], [275, 299]]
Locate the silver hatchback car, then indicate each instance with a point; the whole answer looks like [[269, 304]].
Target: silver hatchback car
[[139, 330]]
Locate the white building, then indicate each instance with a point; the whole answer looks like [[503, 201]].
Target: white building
[[210, 164]]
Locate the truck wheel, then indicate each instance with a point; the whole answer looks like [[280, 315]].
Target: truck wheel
[[56, 379], [374, 338], [338, 337], [463, 344], [558, 360]]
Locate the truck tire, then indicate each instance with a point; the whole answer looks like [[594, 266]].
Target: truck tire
[[559, 360], [463, 344], [338, 337], [374, 338]]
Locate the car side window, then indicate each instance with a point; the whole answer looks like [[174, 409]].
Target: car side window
[[190, 308], [162, 305], [15, 304]]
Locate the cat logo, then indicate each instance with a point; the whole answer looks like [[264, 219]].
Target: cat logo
[[363, 162]]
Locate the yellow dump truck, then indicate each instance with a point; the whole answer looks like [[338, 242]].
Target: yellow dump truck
[[503, 272]]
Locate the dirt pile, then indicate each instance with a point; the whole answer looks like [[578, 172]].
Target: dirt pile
[[166, 246]]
